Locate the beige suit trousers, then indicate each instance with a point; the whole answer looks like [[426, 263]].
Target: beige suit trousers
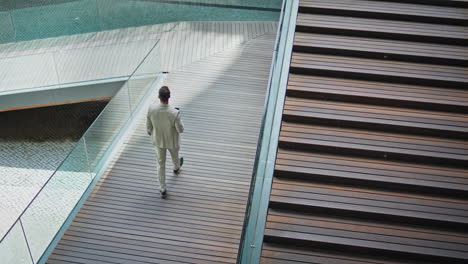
[[161, 157]]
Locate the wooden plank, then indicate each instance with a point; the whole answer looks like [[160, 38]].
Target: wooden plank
[[301, 189], [275, 254], [376, 235], [450, 3], [378, 93], [413, 31], [395, 176], [369, 225], [393, 113], [375, 152], [341, 208], [383, 10], [351, 243], [397, 27], [381, 118], [128, 255], [381, 49], [378, 70]]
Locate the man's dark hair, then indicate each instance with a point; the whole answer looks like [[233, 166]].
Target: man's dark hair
[[164, 93]]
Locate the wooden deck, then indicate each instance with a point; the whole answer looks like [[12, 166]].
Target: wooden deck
[[371, 164], [125, 221]]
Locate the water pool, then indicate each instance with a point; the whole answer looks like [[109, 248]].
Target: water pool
[[29, 20]]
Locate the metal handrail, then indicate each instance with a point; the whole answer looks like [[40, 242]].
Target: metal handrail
[[262, 129], [268, 136]]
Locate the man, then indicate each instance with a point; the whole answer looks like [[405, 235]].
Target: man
[[164, 126]]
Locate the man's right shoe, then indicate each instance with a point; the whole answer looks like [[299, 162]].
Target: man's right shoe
[[181, 163], [163, 194]]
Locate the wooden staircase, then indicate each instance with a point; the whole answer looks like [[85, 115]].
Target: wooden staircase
[[373, 151]]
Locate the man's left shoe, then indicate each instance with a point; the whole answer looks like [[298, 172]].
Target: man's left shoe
[[163, 194], [181, 163]]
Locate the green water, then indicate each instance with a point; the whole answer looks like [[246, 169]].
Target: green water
[[83, 16]]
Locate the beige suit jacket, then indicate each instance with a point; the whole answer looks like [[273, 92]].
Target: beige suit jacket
[[164, 125]]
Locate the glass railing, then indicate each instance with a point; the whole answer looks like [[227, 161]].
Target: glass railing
[[35, 19], [260, 188], [67, 67], [56, 203]]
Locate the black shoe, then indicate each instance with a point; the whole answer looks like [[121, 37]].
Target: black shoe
[[163, 194], [181, 163]]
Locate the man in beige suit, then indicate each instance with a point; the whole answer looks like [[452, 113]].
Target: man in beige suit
[[164, 126]]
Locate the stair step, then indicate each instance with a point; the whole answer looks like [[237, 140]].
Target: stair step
[[378, 93], [376, 145], [370, 204], [450, 3], [391, 119], [365, 236], [281, 253], [379, 70], [381, 49], [353, 171], [376, 28], [372, 153], [386, 10]]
